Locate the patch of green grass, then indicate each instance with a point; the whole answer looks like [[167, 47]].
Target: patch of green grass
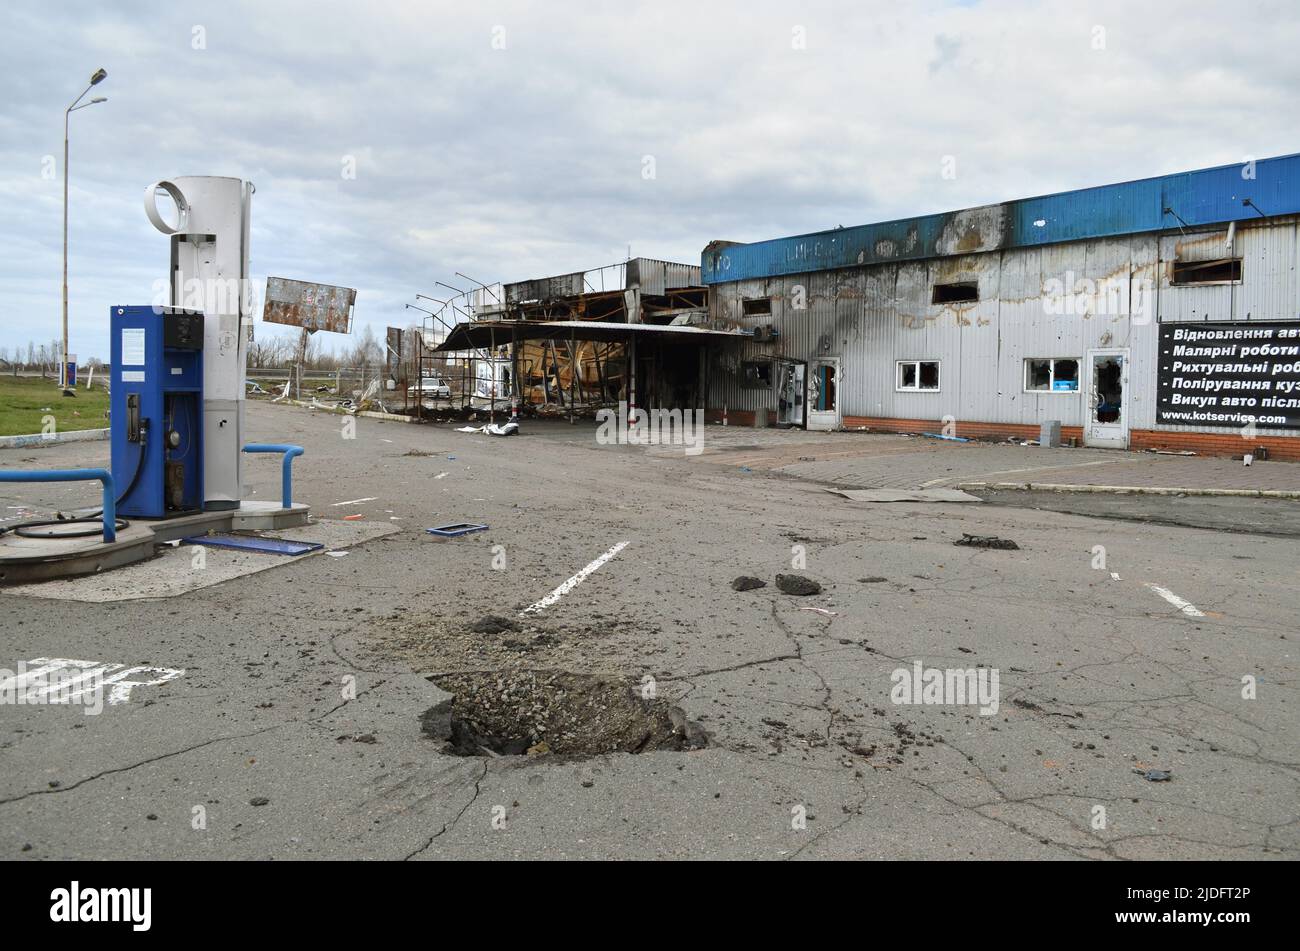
[[25, 401]]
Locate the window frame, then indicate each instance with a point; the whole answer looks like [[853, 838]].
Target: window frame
[[1193, 265], [1051, 378], [918, 388], [746, 301]]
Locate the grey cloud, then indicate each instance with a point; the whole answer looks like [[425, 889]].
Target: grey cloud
[[512, 163]]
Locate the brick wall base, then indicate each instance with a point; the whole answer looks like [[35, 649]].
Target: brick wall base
[[967, 430], [1228, 443]]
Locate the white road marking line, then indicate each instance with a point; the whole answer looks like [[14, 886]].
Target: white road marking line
[[19, 682], [354, 501], [573, 582], [92, 676], [1185, 606]]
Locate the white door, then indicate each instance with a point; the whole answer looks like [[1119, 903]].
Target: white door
[[1106, 412], [823, 403]]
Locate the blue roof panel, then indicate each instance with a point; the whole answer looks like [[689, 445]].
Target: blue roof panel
[[1205, 197]]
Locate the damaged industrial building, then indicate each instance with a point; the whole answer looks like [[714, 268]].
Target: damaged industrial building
[[1158, 313], [1153, 314]]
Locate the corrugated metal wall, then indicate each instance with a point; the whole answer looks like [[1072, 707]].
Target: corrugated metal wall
[[871, 317]]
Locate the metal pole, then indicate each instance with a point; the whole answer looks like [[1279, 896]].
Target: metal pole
[[95, 79], [516, 391], [631, 383], [492, 364], [63, 357], [573, 370]]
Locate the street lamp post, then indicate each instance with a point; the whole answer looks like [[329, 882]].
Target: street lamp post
[[96, 78]]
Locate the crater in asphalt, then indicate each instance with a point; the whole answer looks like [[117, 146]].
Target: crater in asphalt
[[546, 712]]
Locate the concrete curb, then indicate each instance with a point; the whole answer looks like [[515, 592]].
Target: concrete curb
[[1130, 489], [52, 439]]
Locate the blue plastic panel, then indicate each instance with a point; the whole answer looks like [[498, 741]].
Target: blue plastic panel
[[273, 546]]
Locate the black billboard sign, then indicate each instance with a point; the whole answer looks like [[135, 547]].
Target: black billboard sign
[[1229, 374]]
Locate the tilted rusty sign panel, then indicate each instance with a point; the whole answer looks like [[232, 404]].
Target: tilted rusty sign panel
[[546, 288], [310, 306]]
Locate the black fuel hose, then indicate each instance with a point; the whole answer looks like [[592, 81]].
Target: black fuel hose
[[22, 529]]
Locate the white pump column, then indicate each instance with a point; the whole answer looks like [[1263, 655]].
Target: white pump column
[[209, 272]]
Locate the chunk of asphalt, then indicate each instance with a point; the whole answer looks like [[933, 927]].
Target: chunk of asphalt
[[748, 583], [797, 585]]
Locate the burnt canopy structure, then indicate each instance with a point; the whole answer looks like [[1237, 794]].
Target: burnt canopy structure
[[636, 332]]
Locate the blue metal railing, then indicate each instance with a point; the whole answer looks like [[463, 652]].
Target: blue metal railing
[[286, 478], [76, 475]]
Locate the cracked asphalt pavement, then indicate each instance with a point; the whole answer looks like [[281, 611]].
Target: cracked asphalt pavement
[[295, 730]]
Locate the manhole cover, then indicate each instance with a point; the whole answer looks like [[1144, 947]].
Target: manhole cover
[[541, 712]]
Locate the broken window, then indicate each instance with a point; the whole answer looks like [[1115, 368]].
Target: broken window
[[918, 375], [1108, 388], [1222, 271], [757, 307], [1052, 375], [961, 292], [756, 373]]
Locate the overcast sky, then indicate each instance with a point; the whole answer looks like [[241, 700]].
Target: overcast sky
[[510, 141]]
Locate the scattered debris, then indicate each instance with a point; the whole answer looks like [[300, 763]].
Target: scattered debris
[[456, 529], [353, 518], [874, 579], [1154, 775], [747, 583], [337, 554], [823, 611], [987, 541], [947, 438], [906, 495], [258, 801], [539, 712], [492, 429], [797, 585]]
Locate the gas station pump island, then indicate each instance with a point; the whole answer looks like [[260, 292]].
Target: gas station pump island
[[176, 408]]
